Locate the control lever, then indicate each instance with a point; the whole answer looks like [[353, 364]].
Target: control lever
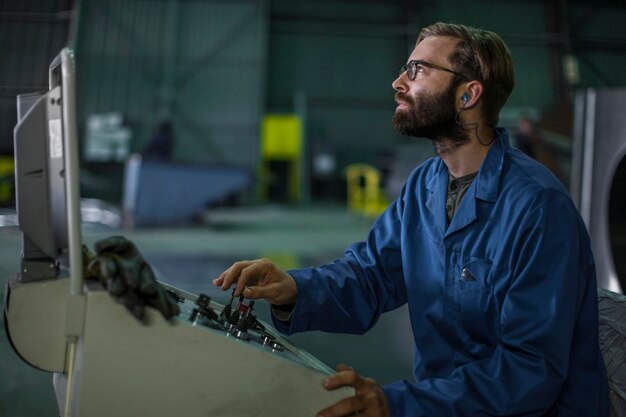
[[246, 319], [228, 308], [234, 316], [203, 309]]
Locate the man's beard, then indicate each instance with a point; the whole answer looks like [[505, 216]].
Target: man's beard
[[433, 116]]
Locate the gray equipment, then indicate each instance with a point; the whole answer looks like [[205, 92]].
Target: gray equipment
[[161, 193]]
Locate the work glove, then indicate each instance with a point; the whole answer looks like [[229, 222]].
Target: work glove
[[119, 266]]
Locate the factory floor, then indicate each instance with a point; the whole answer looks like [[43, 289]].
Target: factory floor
[[189, 257]]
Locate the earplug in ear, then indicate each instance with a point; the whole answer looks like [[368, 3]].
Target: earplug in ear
[[465, 98]]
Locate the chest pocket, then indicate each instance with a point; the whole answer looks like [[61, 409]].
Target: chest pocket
[[474, 275], [473, 297]]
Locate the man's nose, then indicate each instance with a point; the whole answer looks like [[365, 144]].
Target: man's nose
[[399, 84]]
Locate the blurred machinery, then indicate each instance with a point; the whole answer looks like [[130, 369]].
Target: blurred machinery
[[161, 193], [281, 158], [365, 194], [598, 183]]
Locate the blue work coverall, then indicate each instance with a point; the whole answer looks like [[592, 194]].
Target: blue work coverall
[[502, 301]]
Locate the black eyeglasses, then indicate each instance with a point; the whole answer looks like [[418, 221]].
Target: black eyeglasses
[[411, 69]]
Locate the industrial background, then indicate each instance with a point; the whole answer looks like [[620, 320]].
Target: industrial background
[[236, 82]]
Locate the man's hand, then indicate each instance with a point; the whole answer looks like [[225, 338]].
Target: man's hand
[[369, 399], [259, 279]]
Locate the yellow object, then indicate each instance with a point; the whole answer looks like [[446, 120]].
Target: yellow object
[[6, 178], [364, 193], [281, 137], [281, 140]]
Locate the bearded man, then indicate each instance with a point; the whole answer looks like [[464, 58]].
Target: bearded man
[[485, 246]]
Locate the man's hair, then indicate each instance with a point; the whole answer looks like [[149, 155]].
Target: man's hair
[[480, 55]]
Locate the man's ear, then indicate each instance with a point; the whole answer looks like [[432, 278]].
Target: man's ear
[[472, 92]]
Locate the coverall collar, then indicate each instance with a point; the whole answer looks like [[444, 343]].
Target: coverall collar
[[488, 178], [485, 187]]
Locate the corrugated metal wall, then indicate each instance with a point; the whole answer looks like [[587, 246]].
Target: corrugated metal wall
[[32, 32], [598, 33], [199, 64]]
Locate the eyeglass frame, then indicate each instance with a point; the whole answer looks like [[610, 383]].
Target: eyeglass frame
[[415, 62]]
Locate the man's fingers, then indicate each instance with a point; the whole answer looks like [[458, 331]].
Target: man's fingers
[[250, 274], [369, 399], [269, 291], [346, 407], [226, 279], [219, 280], [343, 378]]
